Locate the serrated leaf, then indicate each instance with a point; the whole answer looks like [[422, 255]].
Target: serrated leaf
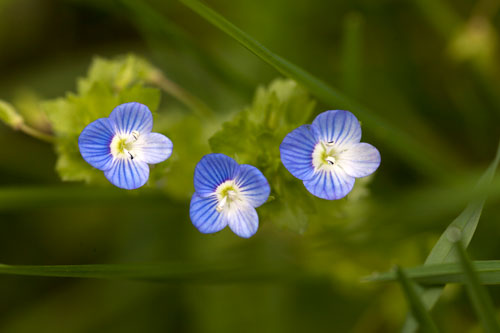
[[108, 84]]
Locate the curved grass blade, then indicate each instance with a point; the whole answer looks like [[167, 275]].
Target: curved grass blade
[[443, 251], [433, 163], [441, 274], [477, 293], [26, 197], [417, 307], [164, 272]]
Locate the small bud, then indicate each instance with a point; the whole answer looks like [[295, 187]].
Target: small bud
[[9, 115]]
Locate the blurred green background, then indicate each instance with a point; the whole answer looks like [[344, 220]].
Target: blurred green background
[[430, 67]]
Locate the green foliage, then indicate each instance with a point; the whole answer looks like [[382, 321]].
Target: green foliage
[[190, 138], [465, 224], [253, 136], [108, 84], [9, 115], [440, 274], [477, 293], [416, 305], [408, 147]]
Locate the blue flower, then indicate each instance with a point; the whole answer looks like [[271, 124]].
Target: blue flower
[[122, 145], [227, 193], [328, 155]]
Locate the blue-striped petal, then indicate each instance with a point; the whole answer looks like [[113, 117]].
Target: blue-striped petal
[[330, 185], [204, 215], [297, 149], [253, 185], [360, 160], [132, 116], [243, 220], [153, 148], [338, 126], [127, 173], [211, 171], [94, 144]]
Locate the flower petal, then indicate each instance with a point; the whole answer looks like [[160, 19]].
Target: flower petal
[[330, 185], [130, 117], [253, 185], [338, 126], [360, 160], [297, 149], [243, 220], [153, 148], [211, 171], [128, 174], [204, 215], [94, 144]]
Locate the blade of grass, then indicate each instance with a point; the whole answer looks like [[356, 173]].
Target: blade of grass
[[477, 293], [443, 251], [16, 198], [440, 274], [163, 272], [417, 307], [151, 22], [433, 163]]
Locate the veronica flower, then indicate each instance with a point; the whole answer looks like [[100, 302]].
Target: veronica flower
[[328, 155], [122, 145], [227, 193]]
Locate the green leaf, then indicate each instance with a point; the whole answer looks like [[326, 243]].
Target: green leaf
[[434, 163], [176, 272], [108, 84], [9, 115], [441, 274], [477, 293], [256, 132], [417, 307], [253, 136], [443, 251]]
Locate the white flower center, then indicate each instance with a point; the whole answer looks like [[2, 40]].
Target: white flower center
[[326, 156], [228, 193], [122, 145]]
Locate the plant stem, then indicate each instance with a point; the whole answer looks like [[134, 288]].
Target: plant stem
[[36, 133], [170, 87]]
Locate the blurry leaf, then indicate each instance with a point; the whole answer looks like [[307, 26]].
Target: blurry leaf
[[163, 272], [108, 84], [444, 251], [434, 163], [440, 274], [416, 305], [116, 74], [23, 198], [191, 143], [477, 293], [9, 115]]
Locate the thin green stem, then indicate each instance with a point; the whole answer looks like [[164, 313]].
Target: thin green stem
[[477, 293], [176, 91], [36, 133]]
